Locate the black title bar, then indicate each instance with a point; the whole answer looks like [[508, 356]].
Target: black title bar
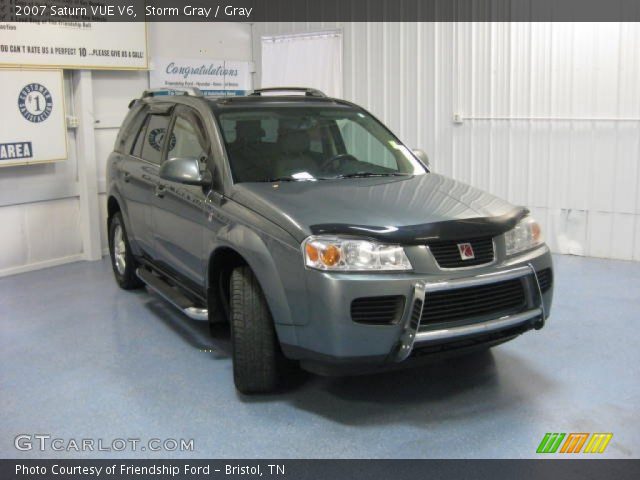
[[568, 469], [318, 10]]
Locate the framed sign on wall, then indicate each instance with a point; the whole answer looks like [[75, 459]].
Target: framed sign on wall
[[75, 45], [212, 77], [33, 128]]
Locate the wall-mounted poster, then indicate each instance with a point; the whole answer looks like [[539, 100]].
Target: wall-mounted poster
[[212, 77], [75, 45], [33, 126]]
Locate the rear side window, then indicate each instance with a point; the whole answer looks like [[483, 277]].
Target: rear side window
[[130, 128], [151, 138], [136, 150]]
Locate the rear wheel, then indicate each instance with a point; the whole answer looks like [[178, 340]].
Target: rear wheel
[[257, 360], [122, 261]]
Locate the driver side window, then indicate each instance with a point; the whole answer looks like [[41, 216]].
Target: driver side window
[[189, 138], [364, 146]]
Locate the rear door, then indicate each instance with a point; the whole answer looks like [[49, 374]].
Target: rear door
[[139, 174], [178, 210]]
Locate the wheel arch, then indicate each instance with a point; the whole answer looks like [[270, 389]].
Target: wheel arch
[[242, 246], [222, 262], [116, 204], [113, 206]]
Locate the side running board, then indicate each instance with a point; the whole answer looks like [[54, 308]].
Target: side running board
[[172, 295]]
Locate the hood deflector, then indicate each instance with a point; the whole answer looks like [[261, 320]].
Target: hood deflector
[[421, 234]]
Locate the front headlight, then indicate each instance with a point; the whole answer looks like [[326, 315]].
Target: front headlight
[[349, 254], [524, 236]]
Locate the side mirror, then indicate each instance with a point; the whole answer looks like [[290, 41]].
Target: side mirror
[[186, 171], [423, 157]]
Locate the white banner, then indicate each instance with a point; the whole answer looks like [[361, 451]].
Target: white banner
[[75, 45], [212, 77], [33, 126], [304, 60]]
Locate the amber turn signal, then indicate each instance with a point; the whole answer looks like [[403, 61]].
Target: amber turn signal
[[331, 256], [312, 252], [536, 232]]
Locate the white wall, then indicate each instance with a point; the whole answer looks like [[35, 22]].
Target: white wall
[[56, 213], [221, 41], [580, 177]]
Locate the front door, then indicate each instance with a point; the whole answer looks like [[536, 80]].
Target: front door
[[178, 210]]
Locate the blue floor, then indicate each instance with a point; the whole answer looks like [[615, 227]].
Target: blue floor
[[80, 358]]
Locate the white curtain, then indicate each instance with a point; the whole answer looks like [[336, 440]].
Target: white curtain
[[306, 60]]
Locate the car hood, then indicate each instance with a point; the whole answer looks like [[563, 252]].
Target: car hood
[[408, 210]]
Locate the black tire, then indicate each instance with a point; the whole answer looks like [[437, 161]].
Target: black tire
[[125, 274], [257, 360]]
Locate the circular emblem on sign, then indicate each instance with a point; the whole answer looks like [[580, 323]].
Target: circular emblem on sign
[[35, 102], [156, 137]]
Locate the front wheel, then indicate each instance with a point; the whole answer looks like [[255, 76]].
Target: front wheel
[[122, 261], [257, 360]]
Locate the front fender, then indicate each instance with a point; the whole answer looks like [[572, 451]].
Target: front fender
[[278, 267]]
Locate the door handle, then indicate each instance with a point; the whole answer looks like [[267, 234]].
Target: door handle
[[126, 176], [160, 189]]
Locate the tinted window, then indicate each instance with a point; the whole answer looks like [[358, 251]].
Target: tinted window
[[130, 129], [137, 146], [153, 139], [190, 137], [311, 143], [361, 144]]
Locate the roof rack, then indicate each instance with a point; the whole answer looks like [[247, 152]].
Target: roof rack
[[308, 92], [190, 91]]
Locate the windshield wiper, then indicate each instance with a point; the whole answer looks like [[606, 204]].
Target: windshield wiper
[[287, 178], [371, 174], [292, 178]]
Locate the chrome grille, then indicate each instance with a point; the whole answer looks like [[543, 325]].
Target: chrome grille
[[447, 254]]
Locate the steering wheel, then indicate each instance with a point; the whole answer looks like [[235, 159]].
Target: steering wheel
[[332, 164]]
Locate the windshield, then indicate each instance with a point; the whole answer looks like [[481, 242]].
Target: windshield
[[311, 143]]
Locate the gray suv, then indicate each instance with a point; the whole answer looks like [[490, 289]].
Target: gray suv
[[316, 233]]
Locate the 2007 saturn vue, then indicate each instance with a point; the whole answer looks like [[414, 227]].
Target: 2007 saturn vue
[[316, 233]]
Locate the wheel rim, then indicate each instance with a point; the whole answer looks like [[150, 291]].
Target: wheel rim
[[119, 250]]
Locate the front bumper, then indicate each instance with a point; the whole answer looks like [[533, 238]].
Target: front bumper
[[534, 313], [331, 339]]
